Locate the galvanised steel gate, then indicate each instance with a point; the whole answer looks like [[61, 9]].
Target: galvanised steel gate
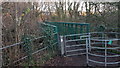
[[100, 49], [74, 44], [105, 50]]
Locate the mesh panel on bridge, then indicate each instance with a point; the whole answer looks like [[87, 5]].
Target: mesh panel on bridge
[[65, 28]]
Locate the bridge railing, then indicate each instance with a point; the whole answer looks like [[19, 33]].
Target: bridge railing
[[65, 28]]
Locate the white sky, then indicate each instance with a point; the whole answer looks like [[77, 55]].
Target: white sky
[[58, 0], [81, 1]]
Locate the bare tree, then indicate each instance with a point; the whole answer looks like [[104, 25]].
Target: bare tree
[[1, 34], [119, 20]]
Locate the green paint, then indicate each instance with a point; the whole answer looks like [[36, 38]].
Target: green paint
[[114, 51], [65, 28], [110, 42]]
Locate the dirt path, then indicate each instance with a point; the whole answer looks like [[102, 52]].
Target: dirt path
[[67, 61], [72, 61]]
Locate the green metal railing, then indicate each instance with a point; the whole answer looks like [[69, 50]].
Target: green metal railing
[[26, 51], [65, 28], [51, 33]]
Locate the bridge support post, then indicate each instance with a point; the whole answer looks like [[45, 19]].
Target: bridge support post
[[62, 45]]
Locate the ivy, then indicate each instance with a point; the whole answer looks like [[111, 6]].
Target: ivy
[[27, 46]]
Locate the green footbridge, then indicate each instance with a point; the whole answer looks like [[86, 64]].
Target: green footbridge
[[66, 28]]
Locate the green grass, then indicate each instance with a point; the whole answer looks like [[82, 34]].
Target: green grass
[[114, 51]]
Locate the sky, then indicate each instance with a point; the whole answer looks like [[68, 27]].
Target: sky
[[81, 1], [58, 0]]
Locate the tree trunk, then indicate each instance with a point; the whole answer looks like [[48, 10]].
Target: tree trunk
[[87, 12], [118, 20], [0, 34]]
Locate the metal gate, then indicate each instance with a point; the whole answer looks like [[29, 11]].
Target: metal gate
[[105, 50], [74, 44]]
